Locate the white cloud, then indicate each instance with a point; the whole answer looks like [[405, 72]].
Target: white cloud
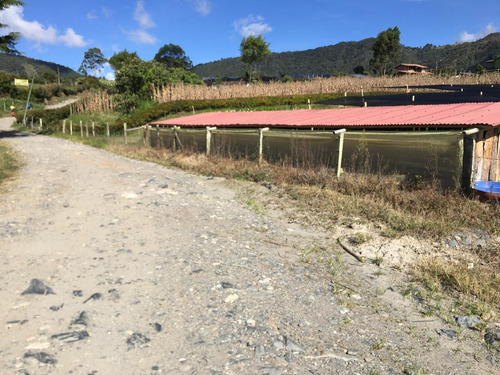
[[141, 37], [91, 16], [464, 36], [252, 25], [36, 32], [110, 76], [203, 7], [142, 17]]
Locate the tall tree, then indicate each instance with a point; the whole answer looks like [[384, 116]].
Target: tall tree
[[386, 51], [253, 49], [173, 56], [8, 42], [93, 60], [121, 59]]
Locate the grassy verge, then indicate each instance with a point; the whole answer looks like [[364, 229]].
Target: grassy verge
[[423, 211], [8, 163]]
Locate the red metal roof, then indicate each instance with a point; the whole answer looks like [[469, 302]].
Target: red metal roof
[[447, 115]]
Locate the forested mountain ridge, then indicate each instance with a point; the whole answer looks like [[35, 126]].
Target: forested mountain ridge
[[345, 56], [22, 66]]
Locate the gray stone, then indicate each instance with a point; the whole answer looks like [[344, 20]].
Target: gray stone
[[41, 357], [480, 243], [492, 337], [260, 350], [293, 346], [448, 332], [94, 297], [468, 321], [82, 319], [279, 343], [38, 287], [69, 337], [289, 357], [137, 340], [270, 371], [452, 243]]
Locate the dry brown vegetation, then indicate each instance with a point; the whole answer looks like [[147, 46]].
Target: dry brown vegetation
[[324, 200], [94, 102], [349, 85]]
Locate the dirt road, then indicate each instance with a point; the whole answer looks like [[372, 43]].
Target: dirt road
[[156, 271]]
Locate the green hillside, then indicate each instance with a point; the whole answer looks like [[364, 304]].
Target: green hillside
[[345, 56], [23, 67]]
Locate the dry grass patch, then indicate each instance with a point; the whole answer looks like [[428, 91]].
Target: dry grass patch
[[8, 163], [481, 281], [320, 198]]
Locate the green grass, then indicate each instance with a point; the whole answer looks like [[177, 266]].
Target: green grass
[[8, 163]]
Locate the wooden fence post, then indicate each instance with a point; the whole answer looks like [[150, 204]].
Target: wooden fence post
[[87, 129], [158, 140], [467, 148], [125, 132], [64, 127], [147, 129], [209, 138], [174, 140], [261, 143], [81, 129], [340, 133]]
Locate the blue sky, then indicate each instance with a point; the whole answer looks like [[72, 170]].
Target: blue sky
[[62, 30]]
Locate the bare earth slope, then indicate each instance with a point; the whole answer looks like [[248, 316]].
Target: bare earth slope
[[156, 271]]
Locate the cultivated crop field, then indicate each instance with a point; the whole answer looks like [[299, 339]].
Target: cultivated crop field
[[349, 85]]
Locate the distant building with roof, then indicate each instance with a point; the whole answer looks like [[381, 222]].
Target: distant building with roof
[[494, 64], [404, 68]]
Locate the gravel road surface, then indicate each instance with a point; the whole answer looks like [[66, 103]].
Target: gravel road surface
[[156, 271]]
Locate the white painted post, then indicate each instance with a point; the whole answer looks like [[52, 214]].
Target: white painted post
[[41, 124], [340, 133], [309, 103], [64, 127], [70, 127], [209, 138], [86, 129], [125, 132], [93, 129], [261, 143], [107, 130], [81, 129]]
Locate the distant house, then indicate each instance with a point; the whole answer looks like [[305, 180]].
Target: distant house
[[412, 69], [494, 64]]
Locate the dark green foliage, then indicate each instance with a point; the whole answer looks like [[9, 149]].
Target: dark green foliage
[[52, 118], [254, 49], [347, 55], [386, 52], [23, 67], [359, 69], [120, 59], [93, 60], [173, 56], [8, 41], [135, 81]]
